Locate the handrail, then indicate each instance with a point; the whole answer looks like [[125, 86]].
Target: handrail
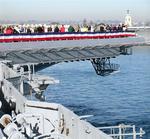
[[121, 131]]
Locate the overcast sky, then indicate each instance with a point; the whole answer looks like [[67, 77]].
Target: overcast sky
[[21, 10]]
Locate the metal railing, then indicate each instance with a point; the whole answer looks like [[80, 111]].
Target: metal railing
[[123, 131]]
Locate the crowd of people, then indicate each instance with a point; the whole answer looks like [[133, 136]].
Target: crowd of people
[[44, 28]]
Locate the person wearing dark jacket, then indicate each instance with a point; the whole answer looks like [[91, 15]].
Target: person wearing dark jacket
[[56, 29], [28, 31]]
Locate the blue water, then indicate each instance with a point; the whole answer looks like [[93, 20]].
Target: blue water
[[123, 97]]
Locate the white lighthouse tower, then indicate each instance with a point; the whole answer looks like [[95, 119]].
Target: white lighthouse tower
[[128, 19]]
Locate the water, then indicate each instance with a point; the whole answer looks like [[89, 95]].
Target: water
[[123, 97]]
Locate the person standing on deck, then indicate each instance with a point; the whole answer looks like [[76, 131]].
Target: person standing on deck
[[71, 29], [62, 29], [56, 29]]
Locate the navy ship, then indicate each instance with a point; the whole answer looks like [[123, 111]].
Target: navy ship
[[24, 112]]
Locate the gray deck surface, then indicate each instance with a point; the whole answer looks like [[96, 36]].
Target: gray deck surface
[[64, 50]]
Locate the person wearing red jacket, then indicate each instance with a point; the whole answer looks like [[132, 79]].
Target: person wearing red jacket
[[62, 29], [8, 30]]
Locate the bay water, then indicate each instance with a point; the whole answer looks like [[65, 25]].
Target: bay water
[[123, 97]]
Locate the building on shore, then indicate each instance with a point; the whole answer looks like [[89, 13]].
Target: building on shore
[[128, 19]]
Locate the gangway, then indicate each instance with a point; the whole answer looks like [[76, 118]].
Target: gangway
[[104, 67]]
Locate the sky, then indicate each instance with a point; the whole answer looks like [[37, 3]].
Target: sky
[[57, 10]]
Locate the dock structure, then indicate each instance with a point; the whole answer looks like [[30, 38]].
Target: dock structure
[[53, 52], [24, 118]]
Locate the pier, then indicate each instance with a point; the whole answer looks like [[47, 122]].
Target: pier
[[53, 52]]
